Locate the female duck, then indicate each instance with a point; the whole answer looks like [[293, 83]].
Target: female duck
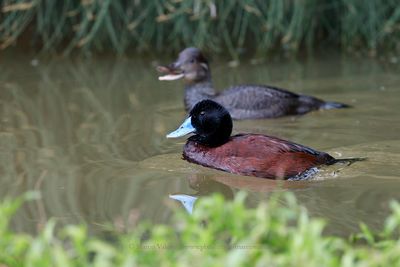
[[242, 101], [244, 154]]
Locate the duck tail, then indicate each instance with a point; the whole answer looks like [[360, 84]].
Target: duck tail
[[347, 161], [333, 105]]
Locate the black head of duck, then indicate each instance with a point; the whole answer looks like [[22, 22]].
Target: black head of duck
[[242, 101]]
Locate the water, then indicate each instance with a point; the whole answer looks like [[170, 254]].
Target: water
[[90, 136]]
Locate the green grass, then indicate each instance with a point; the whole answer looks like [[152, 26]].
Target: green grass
[[169, 26], [218, 233]]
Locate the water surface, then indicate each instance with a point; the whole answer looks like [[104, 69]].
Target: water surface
[[90, 136]]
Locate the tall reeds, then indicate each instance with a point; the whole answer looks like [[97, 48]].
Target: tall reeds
[[166, 26]]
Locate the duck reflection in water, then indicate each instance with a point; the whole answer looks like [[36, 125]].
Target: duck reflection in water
[[227, 185]]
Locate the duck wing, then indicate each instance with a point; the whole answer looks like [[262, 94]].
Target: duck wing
[[259, 101], [279, 158]]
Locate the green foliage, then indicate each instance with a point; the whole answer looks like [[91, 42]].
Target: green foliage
[[218, 233], [165, 26]]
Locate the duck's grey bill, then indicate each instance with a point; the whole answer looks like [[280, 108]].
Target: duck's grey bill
[[184, 129]]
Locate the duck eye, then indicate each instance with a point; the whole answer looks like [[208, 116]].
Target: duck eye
[[202, 113]]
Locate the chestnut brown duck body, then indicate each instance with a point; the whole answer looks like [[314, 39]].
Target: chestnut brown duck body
[[245, 101], [257, 155]]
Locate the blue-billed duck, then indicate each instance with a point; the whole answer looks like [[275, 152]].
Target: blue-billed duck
[[246, 154], [242, 101]]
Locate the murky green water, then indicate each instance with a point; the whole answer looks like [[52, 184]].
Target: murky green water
[[90, 136]]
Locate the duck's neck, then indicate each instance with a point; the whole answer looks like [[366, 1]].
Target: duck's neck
[[195, 92]]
